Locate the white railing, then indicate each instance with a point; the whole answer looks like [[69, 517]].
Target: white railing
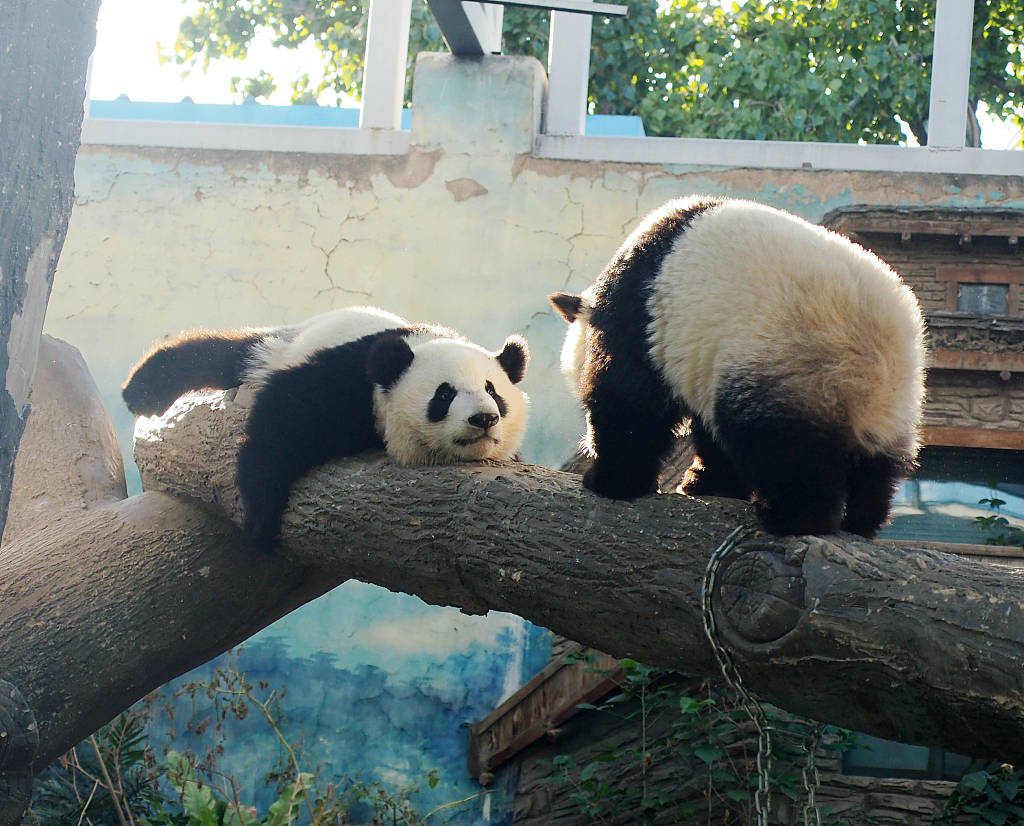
[[951, 71], [565, 111], [473, 28], [387, 48]]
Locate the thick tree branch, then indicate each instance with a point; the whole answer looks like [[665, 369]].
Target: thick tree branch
[[104, 608], [69, 459], [914, 645], [118, 595], [106, 598]]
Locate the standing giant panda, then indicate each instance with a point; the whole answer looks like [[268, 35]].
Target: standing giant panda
[[797, 355], [347, 381]]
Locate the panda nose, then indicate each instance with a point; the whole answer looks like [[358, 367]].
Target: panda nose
[[483, 420]]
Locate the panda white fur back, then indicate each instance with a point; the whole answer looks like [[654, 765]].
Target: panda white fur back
[[290, 346], [346, 381], [797, 354], [852, 343]]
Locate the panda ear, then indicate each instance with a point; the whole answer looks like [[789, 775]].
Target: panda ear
[[387, 360], [514, 357], [570, 306]]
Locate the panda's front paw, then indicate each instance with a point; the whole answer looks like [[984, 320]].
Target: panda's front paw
[[618, 485]]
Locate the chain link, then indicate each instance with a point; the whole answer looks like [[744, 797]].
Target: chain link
[[811, 777], [750, 704], [762, 799]]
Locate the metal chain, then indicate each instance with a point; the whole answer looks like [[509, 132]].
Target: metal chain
[[762, 799], [733, 678], [811, 777]]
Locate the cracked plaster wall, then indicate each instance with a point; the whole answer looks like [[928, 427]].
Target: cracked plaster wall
[[469, 229]]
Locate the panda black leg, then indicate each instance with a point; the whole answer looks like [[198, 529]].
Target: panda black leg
[[630, 446], [264, 482], [795, 470], [806, 498], [872, 482], [190, 361], [712, 472], [300, 418]]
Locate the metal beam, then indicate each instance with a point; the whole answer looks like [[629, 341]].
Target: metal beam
[[474, 28], [470, 29], [572, 6]]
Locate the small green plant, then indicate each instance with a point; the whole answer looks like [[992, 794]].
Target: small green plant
[[115, 778], [692, 757], [990, 794], [1007, 534], [203, 807], [110, 778]]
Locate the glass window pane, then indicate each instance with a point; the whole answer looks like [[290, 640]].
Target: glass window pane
[[877, 757], [942, 503], [983, 299]]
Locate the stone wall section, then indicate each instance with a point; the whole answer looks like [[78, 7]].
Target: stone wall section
[[970, 399]]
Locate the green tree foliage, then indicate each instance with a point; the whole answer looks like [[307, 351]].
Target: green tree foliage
[[116, 777], [819, 70]]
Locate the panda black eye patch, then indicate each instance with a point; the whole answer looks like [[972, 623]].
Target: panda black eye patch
[[441, 401], [502, 407]]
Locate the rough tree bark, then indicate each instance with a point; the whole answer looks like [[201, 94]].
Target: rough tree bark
[[105, 598], [116, 596], [44, 53], [914, 645]]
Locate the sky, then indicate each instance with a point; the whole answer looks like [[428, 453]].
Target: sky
[[125, 62], [126, 57]]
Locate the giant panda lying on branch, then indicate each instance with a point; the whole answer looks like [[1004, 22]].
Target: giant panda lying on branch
[[341, 383]]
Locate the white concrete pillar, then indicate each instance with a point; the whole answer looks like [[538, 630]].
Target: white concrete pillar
[[387, 46], [951, 71], [565, 111]]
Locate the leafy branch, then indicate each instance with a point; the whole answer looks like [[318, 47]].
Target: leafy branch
[[859, 70]]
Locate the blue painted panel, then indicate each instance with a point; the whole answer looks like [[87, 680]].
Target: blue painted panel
[[379, 686], [626, 126], [615, 126], [250, 113]]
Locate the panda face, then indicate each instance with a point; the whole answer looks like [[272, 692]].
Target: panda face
[[446, 400]]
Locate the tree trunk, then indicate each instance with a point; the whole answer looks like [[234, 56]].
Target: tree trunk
[[106, 598], [45, 46]]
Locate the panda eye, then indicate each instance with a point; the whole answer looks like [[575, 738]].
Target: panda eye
[[445, 393], [490, 390]]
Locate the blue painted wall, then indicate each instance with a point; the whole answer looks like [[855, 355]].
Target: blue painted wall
[[378, 687]]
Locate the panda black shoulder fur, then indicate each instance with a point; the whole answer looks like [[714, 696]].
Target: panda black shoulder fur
[[797, 355], [343, 382]]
